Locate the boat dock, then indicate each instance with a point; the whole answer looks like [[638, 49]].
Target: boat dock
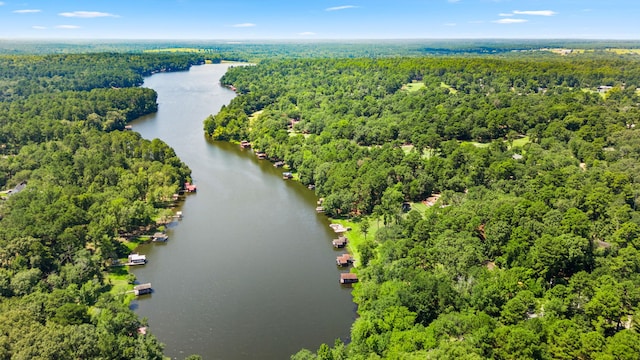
[[142, 289]]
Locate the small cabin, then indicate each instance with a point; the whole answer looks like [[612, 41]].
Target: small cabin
[[261, 155], [348, 278], [137, 259], [159, 237], [287, 175], [340, 242], [344, 260], [142, 289], [244, 144], [188, 187], [175, 197], [319, 209], [128, 127]]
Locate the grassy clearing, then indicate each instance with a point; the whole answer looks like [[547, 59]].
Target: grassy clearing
[[414, 86], [254, 116], [521, 142], [451, 90], [355, 235], [118, 277], [517, 142], [625, 51], [419, 207]]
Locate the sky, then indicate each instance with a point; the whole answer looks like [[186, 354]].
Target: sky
[[319, 19]]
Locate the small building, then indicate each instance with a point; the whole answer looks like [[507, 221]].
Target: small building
[[137, 259], [175, 197], [261, 155], [340, 242], [287, 175], [348, 278], [159, 237], [319, 209], [142, 289], [244, 144], [344, 260], [278, 164], [128, 127], [188, 187], [603, 89]]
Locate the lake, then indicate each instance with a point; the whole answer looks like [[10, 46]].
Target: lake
[[249, 272]]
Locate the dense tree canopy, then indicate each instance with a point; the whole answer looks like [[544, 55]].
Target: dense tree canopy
[[87, 184], [531, 250]]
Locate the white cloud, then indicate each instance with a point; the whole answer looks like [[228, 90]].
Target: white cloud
[[86, 14], [510, 21], [243, 25], [37, 27], [67, 27], [1, 3], [343, 7], [535, 12], [27, 11], [307, 33], [505, 14]]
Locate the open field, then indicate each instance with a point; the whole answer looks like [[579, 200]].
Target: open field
[[414, 86]]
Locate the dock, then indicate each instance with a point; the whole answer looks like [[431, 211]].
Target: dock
[[188, 187], [348, 278], [287, 176], [339, 228], [340, 242], [136, 259], [344, 260], [142, 289], [159, 237], [244, 144]]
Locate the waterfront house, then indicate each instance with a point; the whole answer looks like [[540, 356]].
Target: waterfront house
[[244, 144], [287, 175]]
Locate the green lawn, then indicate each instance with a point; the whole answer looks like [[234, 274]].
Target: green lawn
[[118, 277], [520, 142], [451, 90], [414, 86]]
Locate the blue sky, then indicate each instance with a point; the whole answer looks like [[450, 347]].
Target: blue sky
[[319, 19]]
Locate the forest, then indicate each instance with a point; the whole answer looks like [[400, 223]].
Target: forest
[[79, 185], [531, 249]]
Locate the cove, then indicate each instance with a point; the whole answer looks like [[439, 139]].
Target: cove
[[249, 272]]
